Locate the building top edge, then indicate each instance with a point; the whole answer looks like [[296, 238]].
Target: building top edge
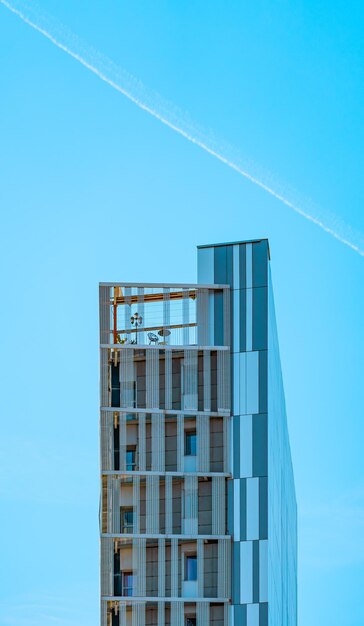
[[165, 285], [232, 243]]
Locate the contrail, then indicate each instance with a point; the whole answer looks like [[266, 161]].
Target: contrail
[[147, 101]]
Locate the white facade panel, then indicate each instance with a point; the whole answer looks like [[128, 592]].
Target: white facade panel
[[246, 446], [263, 571], [246, 572], [253, 615], [252, 508], [236, 528], [243, 383], [249, 320]]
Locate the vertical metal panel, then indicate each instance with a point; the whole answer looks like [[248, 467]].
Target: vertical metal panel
[[260, 263], [203, 613], [220, 273], [174, 568], [104, 302], [161, 568], [109, 494], [252, 508], [223, 380], [227, 613], [168, 505], [207, 380], [236, 510], [122, 441], [246, 446], [252, 615], [138, 614], [236, 572], [104, 378], [122, 614], [142, 441], [260, 444], [218, 505], [140, 293], [263, 507], [177, 613], [227, 426], [224, 568], [191, 504], [161, 613], [260, 318], [242, 384], [136, 504], [139, 566], [249, 320], [203, 443], [249, 265], [185, 315], [200, 568], [190, 380], [202, 317], [158, 442], [168, 379], [236, 267], [263, 571], [180, 442], [116, 498], [107, 560], [246, 572], [226, 316], [166, 307], [252, 382], [127, 378], [106, 441], [236, 321], [243, 509], [152, 378], [152, 504], [205, 266], [103, 611]]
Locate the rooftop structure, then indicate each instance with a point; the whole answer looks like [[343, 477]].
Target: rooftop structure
[[198, 516]]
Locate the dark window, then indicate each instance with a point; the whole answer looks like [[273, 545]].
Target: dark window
[[191, 567], [127, 517], [127, 584], [130, 459], [190, 443], [191, 621]]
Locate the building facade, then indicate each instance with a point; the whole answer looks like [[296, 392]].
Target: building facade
[[198, 512]]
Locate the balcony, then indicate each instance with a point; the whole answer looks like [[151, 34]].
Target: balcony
[[164, 315]]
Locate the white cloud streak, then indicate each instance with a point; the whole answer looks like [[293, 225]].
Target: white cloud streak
[[132, 89]]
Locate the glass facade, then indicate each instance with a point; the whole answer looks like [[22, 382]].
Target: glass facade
[[282, 510]]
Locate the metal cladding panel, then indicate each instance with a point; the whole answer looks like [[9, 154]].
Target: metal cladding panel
[[106, 441], [107, 560], [259, 441], [203, 614]]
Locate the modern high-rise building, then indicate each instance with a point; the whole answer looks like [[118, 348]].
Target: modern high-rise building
[[198, 510]]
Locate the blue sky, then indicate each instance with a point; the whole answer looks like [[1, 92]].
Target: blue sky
[[92, 188]]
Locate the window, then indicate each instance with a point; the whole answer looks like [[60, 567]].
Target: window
[[130, 458], [191, 621], [127, 518], [190, 443], [127, 584], [191, 567]]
